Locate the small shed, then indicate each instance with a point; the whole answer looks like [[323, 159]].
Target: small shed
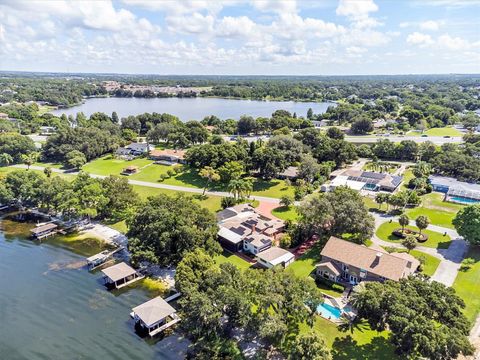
[[43, 231], [275, 256], [120, 275], [154, 316], [130, 170]]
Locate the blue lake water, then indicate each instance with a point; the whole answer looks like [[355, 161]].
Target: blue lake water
[[52, 309], [193, 108]]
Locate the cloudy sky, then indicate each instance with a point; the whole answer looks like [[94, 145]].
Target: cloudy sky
[[321, 37]]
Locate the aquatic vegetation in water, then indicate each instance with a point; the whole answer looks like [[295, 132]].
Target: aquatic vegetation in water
[[155, 287]]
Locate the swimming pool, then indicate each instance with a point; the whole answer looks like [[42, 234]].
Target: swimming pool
[[463, 200], [328, 311]]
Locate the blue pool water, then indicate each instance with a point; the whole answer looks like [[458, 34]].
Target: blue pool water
[[463, 200], [370, 187], [329, 311]]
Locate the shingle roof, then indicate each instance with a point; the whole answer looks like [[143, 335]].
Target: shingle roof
[[373, 261], [119, 271], [153, 311]]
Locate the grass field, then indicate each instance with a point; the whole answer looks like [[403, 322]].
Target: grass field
[[286, 213], [359, 342], [445, 131], [108, 165], [467, 285], [435, 240], [227, 257], [439, 212]]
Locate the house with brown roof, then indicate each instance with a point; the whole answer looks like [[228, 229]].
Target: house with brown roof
[[344, 261], [168, 156]]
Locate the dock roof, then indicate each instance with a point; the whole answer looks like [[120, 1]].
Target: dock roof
[[119, 271], [153, 311], [43, 228]]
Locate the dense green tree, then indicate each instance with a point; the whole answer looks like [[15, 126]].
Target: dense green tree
[[75, 159], [309, 346], [122, 198], [166, 227], [403, 220], [210, 175], [362, 126], [422, 222], [467, 223], [231, 170], [426, 318], [269, 162], [410, 242], [16, 145], [5, 159], [338, 212]]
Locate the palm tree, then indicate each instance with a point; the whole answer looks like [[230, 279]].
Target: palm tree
[[422, 222], [236, 186], [30, 159], [5, 159]]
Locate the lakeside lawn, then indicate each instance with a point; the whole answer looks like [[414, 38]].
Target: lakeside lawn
[[227, 257], [435, 240], [286, 213], [444, 131], [467, 285]]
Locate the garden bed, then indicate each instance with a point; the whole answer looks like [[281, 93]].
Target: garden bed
[[403, 233]]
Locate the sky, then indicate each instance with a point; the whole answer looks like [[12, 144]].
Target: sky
[[241, 37]]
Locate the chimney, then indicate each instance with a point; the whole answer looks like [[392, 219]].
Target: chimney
[[378, 256], [253, 228]]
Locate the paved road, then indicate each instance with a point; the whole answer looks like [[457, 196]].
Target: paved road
[[437, 140], [155, 185], [450, 259]]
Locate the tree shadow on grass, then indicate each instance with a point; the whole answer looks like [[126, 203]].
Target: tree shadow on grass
[[347, 348], [264, 185]]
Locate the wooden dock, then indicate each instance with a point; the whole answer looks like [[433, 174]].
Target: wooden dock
[[175, 319], [97, 260]]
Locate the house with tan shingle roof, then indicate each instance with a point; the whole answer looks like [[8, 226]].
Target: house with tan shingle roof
[[344, 261]]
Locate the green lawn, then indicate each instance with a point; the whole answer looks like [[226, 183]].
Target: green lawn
[[435, 240], [439, 212], [467, 285], [444, 131], [360, 342], [211, 202], [108, 165], [49, 164], [271, 188], [286, 213], [228, 257]]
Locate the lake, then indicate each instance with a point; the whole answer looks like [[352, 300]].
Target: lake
[[52, 309], [192, 108]]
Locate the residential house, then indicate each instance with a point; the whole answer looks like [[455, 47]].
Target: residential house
[[373, 181], [290, 173], [345, 261], [168, 156], [456, 191], [242, 228], [275, 256], [137, 148]]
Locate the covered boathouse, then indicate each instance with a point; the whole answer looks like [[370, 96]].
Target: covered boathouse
[[154, 316], [120, 275], [43, 231]]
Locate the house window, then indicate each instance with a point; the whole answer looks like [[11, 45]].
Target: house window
[[363, 273], [344, 267]]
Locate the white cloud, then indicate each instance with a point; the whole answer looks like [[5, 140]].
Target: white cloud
[[278, 6], [236, 26], [195, 23], [356, 9], [453, 43], [180, 7], [430, 25], [417, 38]]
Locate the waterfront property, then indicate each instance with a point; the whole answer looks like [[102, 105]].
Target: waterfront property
[[168, 156], [101, 258], [44, 231], [154, 316], [120, 275], [133, 150], [363, 180], [456, 191], [275, 256], [344, 261]]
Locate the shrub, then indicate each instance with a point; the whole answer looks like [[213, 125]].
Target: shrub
[[227, 202], [467, 264], [338, 287], [163, 177], [178, 169], [285, 241], [171, 172]]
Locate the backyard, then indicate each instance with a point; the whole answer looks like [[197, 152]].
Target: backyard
[[228, 257], [435, 240], [286, 213]]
